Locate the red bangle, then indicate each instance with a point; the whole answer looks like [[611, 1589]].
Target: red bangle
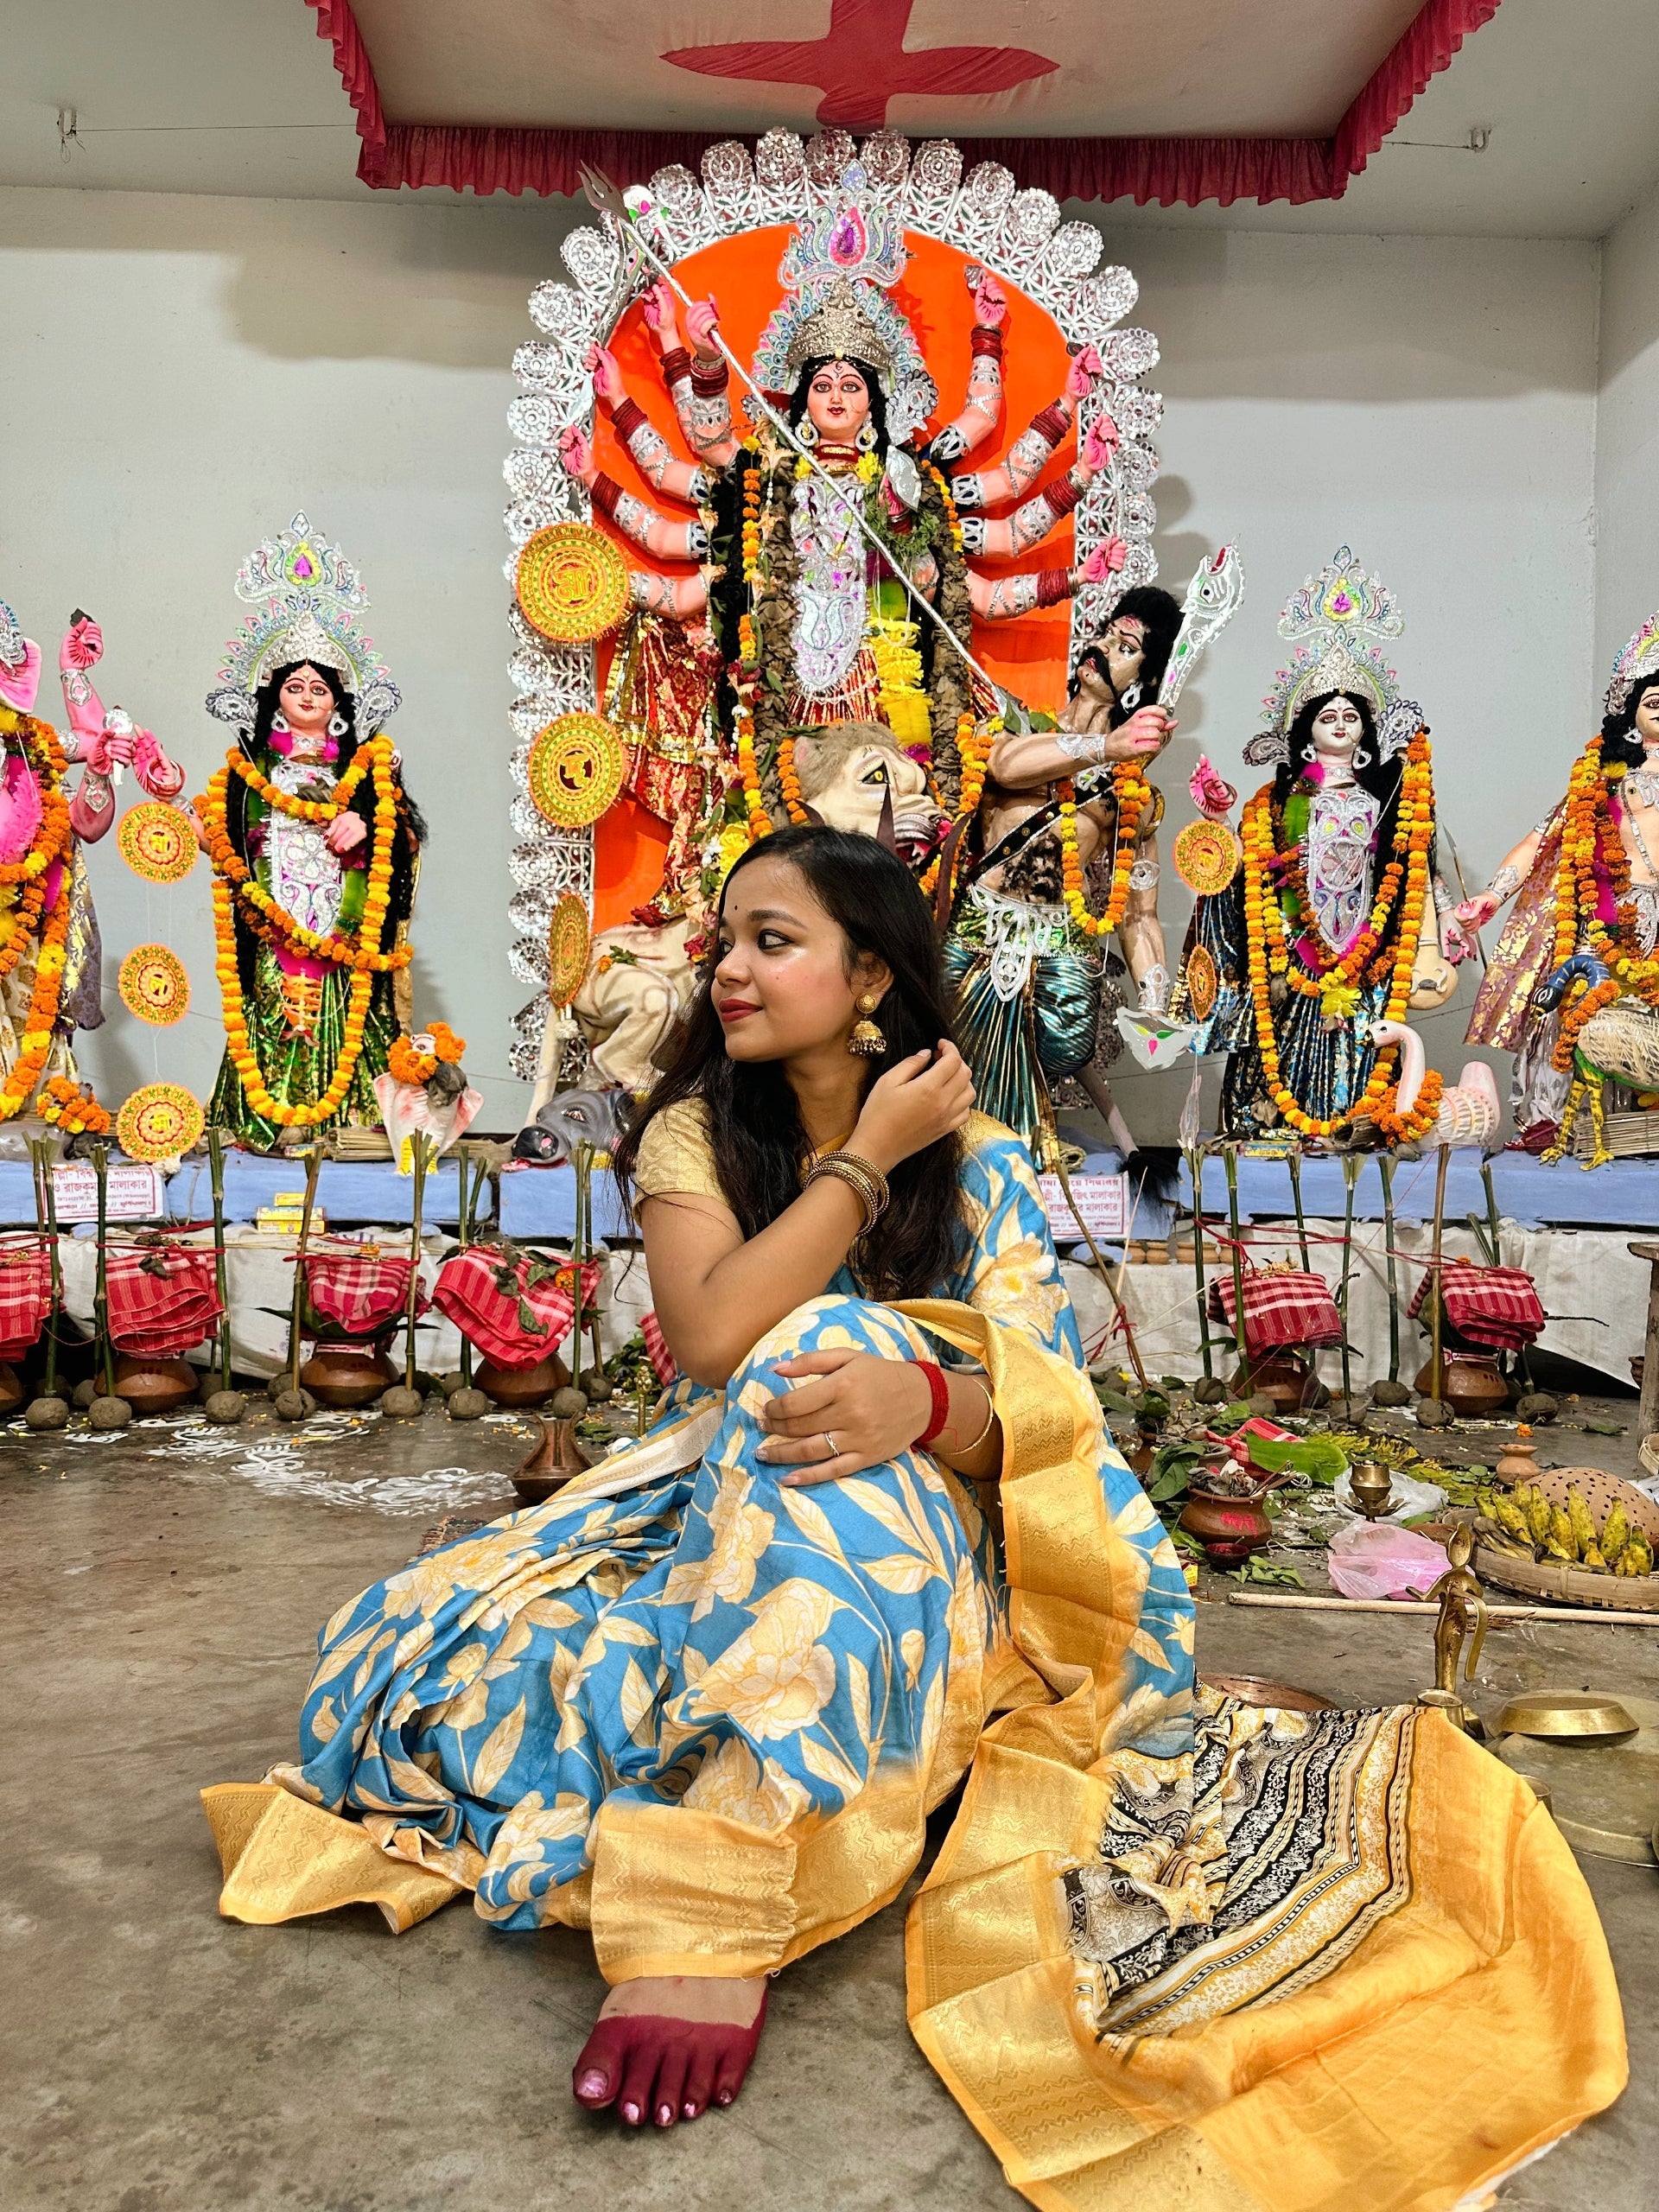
[[709, 383], [941, 1395], [986, 338], [1062, 496], [629, 417], [605, 492], [1050, 423], [1053, 586], [674, 365]]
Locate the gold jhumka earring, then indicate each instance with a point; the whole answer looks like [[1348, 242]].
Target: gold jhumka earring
[[867, 1040]]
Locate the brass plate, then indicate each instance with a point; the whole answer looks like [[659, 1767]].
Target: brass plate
[[1605, 1794], [576, 769], [572, 583], [1569, 1713]]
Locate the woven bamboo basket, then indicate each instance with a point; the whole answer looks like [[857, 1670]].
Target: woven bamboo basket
[[1568, 1585], [1628, 1137]]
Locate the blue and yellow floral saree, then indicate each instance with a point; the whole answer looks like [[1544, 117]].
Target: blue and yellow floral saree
[[1176, 1955]]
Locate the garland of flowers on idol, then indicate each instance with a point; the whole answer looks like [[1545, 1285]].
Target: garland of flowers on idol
[[974, 750], [1403, 888], [236, 889], [1593, 860], [25, 878], [1134, 795]]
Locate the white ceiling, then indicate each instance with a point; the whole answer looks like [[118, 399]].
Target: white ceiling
[[240, 97]]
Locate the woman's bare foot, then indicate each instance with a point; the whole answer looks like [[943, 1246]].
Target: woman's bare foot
[[666, 2049]]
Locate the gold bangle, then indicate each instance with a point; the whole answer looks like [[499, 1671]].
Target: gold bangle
[[844, 1171], [967, 1451], [877, 1179]]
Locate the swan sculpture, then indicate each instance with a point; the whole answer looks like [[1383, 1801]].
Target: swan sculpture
[[1470, 1112]]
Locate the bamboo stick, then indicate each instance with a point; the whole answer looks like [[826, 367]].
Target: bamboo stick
[[1294, 1162], [1229, 1160], [1385, 1168], [1350, 1166], [1579, 1615], [1436, 1315], [105, 1354], [313, 1169], [464, 1237], [422, 1149], [216, 1171], [46, 1213], [582, 1159], [1195, 1169]]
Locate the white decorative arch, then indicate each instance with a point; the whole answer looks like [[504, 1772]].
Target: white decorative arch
[[1018, 235]]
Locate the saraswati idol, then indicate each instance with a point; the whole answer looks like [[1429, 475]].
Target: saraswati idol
[[315, 846], [1330, 921]]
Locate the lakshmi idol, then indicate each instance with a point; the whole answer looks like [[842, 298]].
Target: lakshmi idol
[[316, 847], [1585, 887], [1331, 920], [49, 947], [813, 620], [1024, 952]]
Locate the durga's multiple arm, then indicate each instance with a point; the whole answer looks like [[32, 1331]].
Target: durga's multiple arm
[[104, 740]]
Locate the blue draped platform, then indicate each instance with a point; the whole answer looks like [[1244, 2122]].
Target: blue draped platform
[[1624, 1194]]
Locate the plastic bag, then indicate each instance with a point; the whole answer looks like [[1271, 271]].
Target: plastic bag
[[1375, 1560]]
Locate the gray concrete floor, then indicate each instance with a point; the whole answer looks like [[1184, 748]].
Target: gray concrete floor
[[161, 1605]]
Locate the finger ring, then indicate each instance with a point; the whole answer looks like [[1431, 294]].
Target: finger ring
[[835, 1449]]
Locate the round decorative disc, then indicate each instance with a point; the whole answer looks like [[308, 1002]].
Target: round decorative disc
[[1202, 982], [575, 770], [573, 583], [1207, 855], [568, 943], [157, 842], [159, 1121], [154, 985]]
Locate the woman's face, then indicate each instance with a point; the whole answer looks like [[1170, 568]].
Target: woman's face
[[781, 987], [306, 701], [1647, 718], [838, 403], [1338, 729]]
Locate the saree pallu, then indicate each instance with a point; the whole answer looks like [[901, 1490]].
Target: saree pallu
[[1166, 1963], [1504, 1015], [1026, 998]]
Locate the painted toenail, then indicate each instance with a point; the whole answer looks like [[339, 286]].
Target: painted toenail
[[690, 2111], [665, 2115], [592, 2083], [723, 2096], [631, 2113]]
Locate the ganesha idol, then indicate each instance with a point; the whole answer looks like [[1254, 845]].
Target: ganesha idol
[[50, 950]]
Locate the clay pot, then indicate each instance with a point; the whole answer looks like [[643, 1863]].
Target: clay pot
[[348, 1374], [11, 1390], [522, 1386], [1230, 1529], [1284, 1377], [1473, 1385], [1517, 1462], [153, 1386], [551, 1464]]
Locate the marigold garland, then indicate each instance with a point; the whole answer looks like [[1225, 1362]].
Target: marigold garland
[[974, 751], [72, 1107], [1593, 862], [1406, 1129], [35, 1042], [1134, 796], [25, 877], [302, 809], [235, 887], [1269, 948], [791, 783]]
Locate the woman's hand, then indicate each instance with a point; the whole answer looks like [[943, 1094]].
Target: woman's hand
[[1475, 913], [346, 833], [853, 1410], [927, 1097]]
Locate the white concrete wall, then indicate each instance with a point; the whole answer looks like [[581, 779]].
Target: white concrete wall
[[1627, 436], [180, 373]]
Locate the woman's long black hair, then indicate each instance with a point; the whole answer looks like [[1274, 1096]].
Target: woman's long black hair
[[754, 1124], [1619, 739], [411, 831]]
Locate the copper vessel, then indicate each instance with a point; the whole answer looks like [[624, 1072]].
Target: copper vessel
[[1284, 1377], [551, 1464], [11, 1390], [153, 1386], [1473, 1386], [348, 1374], [1230, 1529], [522, 1386]]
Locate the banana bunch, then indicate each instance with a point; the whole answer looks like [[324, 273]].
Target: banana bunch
[[1568, 1532]]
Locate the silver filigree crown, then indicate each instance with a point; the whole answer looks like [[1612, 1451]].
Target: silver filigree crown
[[14, 646], [306, 597], [837, 270], [1638, 658], [1337, 624]]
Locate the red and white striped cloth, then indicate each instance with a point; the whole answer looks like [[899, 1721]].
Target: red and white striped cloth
[[164, 1299], [25, 1295], [1498, 1308], [517, 1327], [1281, 1307], [361, 1293], [657, 1351]]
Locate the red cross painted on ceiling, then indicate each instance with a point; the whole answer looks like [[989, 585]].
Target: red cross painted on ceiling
[[862, 63]]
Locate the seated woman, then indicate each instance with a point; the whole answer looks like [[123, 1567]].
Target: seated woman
[[702, 1701]]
